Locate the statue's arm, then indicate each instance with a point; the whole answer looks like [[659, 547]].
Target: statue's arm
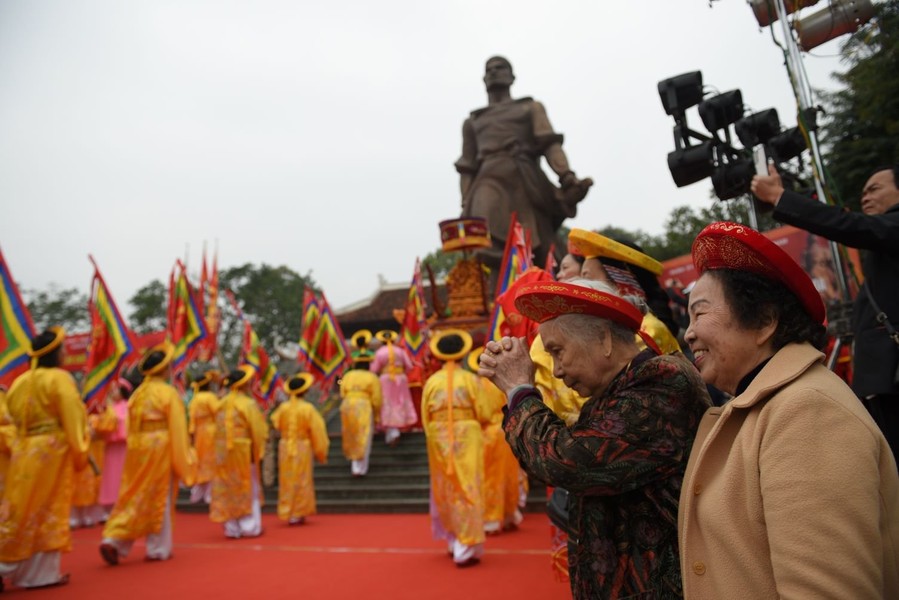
[[467, 165], [550, 144]]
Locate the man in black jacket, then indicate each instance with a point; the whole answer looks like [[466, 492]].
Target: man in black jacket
[[876, 232]]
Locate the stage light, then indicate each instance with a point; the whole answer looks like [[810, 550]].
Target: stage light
[[787, 145], [720, 111], [732, 179], [842, 16], [691, 164], [758, 127], [764, 9], [681, 92]]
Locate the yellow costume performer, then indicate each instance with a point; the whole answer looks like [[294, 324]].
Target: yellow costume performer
[[157, 456], [452, 413], [202, 409], [240, 436], [7, 438], [50, 445], [360, 390], [501, 470], [303, 435], [86, 509]]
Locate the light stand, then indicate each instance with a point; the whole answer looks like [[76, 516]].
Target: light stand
[[839, 325]]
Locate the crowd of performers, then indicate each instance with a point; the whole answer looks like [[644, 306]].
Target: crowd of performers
[[62, 468]]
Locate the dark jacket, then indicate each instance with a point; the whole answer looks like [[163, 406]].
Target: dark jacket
[[875, 355], [623, 463]]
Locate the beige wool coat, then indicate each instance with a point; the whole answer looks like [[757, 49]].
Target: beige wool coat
[[791, 491]]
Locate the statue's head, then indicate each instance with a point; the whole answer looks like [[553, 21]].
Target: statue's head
[[498, 73]]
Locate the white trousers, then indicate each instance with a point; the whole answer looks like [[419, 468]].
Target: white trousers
[[39, 569], [248, 525], [360, 467], [159, 545], [462, 553], [391, 434]]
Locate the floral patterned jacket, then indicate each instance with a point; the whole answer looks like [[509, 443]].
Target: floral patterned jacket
[[623, 463]]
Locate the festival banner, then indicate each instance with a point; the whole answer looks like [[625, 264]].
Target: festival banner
[[322, 348], [186, 327], [516, 256], [267, 380], [414, 328], [17, 328], [110, 343], [506, 319]]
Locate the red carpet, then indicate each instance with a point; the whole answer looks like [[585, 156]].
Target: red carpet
[[332, 556]]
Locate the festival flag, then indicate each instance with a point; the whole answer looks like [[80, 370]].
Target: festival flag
[[551, 264], [209, 307], [186, 327], [110, 343], [17, 328], [516, 256], [506, 319], [322, 349], [267, 380], [414, 329]]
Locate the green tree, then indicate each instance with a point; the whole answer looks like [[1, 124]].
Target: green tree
[[64, 307], [861, 129], [440, 262], [271, 298], [149, 303]]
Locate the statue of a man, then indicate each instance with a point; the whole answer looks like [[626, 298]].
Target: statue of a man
[[500, 168]]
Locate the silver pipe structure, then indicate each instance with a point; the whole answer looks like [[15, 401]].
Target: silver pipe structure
[[803, 91]]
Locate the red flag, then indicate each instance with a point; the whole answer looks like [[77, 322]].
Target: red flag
[[323, 350], [516, 256], [506, 318], [16, 328], [268, 380], [111, 342], [210, 282], [186, 327], [551, 264], [414, 329]]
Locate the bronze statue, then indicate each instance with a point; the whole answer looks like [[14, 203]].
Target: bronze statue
[[500, 168]]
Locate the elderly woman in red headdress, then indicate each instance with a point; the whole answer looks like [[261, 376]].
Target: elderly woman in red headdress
[[51, 443], [158, 455], [623, 460], [240, 435], [791, 490], [303, 436]]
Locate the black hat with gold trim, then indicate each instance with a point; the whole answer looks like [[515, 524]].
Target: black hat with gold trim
[[46, 342], [299, 384], [157, 358], [209, 376], [450, 344], [360, 341], [472, 361], [241, 376], [388, 336]]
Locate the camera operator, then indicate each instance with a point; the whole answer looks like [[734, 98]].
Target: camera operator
[[876, 231]]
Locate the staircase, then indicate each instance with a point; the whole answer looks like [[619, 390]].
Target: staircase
[[397, 481]]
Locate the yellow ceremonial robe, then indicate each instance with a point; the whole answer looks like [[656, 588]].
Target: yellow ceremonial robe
[[52, 443], [303, 435], [157, 448], [500, 465], [87, 482], [361, 393], [240, 435], [7, 438], [202, 426], [452, 412]]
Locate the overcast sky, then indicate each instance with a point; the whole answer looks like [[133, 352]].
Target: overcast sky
[[322, 135]]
